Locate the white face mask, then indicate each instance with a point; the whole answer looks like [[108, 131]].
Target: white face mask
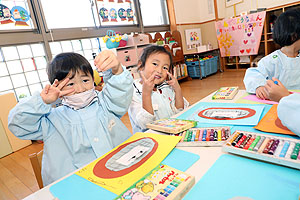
[[80, 100]]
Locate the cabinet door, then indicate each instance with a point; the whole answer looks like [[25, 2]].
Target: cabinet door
[[5, 147]]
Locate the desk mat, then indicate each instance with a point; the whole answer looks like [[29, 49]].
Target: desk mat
[[234, 177], [75, 187]]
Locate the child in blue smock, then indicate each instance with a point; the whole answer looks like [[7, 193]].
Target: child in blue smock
[[157, 94], [88, 124], [284, 63], [288, 109]]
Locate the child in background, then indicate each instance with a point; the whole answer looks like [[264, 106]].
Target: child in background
[[155, 95], [87, 125], [283, 64], [288, 109]]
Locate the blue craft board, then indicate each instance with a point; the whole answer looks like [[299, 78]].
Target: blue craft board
[[233, 176], [75, 187], [192, 114]]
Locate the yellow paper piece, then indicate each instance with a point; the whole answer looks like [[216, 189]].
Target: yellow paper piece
[[120, 168]]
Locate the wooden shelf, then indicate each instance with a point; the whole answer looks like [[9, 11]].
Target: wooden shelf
[[180, 78]]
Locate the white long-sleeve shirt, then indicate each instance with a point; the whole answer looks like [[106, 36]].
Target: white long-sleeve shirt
[[163, 103], [288, 111]]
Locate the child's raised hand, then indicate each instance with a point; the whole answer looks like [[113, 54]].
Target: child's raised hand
[[51, 93], [276, 91], [173, 81], [261, 93], [148, 84], [107, 60]]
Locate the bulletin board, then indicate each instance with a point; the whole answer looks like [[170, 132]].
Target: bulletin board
[[240, 36]]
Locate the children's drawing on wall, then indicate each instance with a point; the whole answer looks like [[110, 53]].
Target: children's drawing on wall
[[232, 2], [240, 36], [122, 14], [130, 14], [193, 38], [113, 15], [5, 15], [103, 12], [20, 15]]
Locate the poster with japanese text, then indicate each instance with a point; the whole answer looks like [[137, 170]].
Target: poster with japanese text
[[240, 36]]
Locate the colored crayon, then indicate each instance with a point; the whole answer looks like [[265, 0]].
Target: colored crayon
[[211, 137], [183, 136], [223, 134], [259, 143], [234, 137], [190, 133], [197, 135], [250, 141], [295, 152], [284, 149], [254, 143], [290, 150], [268, 146], [200, 135], [237, 139], [220, 135], [204, 134], [227, 134], [263, 145], [279, 148], [298, 157], [245, 141], [215, 135], [193, 135], [241, 141], [273, 147]]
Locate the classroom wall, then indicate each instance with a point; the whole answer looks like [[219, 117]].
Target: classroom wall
[[193, 11], [248, 5], [208, 34]]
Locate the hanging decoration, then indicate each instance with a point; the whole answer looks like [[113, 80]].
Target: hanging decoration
[[112, 1], [103, 12], [130, 14], [20, 15], [120, 1], [5, 15], [128, 1], [122, 14], [113, 15]]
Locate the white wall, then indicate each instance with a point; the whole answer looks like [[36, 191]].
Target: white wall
[[248, 5], [194, 11]]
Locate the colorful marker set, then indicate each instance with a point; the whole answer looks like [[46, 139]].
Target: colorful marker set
[[283, 151], [212, 136]]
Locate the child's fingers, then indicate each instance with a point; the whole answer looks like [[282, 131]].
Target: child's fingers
[[102, 57], [107, 64], [55, 83], [63, 83], [278, 81], [142, 76], [270, 83], [65, 92], [175, 72], [46, 89]]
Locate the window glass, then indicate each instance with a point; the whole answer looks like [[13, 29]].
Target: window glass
[[117, 12], [86, 43], [32, 77], [3, 69], [28, 65], [15, 15], [14, 67], [5, 83], [10, 53], [24, 51], [18, 80], [159, 7], [70, 13], [66, 46], [43, 75], [40, 62], [76, 45], [38, 50], [22, 92], [35, 88]]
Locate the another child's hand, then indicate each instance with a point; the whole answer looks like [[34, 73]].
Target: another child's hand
[[276, 91], [107, 60], [261, 93], [173, 81], [52, 92], [148, 84]]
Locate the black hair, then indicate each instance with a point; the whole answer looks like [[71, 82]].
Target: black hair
[[287, 28], [153, 49], [64, 63]]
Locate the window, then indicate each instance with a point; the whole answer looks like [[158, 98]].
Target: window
[[85, 47], [15, 15], [23, 69], [116, 12], [70, 13], [154, 12]]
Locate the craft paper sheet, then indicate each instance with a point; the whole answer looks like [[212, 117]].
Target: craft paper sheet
[[127, 163], [224, 113]]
